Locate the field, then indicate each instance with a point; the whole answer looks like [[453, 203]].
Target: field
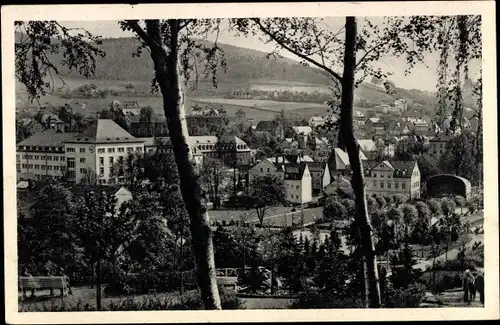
[[254, 109]]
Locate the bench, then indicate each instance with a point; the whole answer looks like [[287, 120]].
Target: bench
[[43, 283]]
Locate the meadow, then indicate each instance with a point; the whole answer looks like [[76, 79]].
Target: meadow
[[255, 109]]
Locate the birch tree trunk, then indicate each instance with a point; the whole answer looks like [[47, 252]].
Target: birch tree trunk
[[346, 128], [166, 64]]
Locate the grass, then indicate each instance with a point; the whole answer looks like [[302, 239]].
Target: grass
[[87, 295]]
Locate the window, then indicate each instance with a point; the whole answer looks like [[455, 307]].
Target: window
[[82, 150], [382, 174], [69, 149], [56, 167], [374, 174], [37, 166], [42, 157], [101, 150], [388, 184], [71, 162], [396, 185], [120, 159], [49, 157], [101, 161], [262, 170], [72, 174], [111, 150], [152, 150], [403, 186], [381, 184], [101, 171], [111, 160], [43, 167], [268, 170], [83, 171], [121, 149], [56, 158], [130, 149], [138, 149], [49, 167], [82, 160], [374, 184], [63, 168], [296, 187], [63, 158], [111, 170]]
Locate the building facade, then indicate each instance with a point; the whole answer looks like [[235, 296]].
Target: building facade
[[77, 157], [387, 178], [298, 183]]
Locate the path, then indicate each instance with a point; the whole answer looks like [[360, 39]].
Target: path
[[452, 253]]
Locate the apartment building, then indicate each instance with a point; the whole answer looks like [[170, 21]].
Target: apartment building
[[42, 156], [387, 178], [438, 144], [74, 156], [298, 183], [268, 166]]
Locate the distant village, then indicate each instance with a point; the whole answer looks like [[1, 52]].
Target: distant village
[[309, 162]]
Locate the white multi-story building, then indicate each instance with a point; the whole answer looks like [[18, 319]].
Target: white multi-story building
[[42, 156], [74, 155], [387, 178], [298, 183], [269, 166], [99, 149]]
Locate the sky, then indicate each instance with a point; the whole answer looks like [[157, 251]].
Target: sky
[[422, 77]]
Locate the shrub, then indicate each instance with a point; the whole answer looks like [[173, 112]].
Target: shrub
[[319, 300], [146, 282], [403, 297], [189, 301]]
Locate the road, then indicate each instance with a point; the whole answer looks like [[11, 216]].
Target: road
[[474, 219]]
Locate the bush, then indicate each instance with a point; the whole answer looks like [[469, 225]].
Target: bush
[[189, 301], [147, 282], [403, 297], [319, 300], [470, 263]]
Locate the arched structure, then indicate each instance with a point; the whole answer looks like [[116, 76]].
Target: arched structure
[[446, 185]]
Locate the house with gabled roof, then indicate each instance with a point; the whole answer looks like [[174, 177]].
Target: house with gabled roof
[[338, 163], [298, 183], [387, 178], [439, 144]]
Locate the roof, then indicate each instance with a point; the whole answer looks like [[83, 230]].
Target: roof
[[278, 160], [48, 138], [316, 166], [375, 120], [402, 169], [358, 114], [203, 139], [367, 144], [53, 118], [295, 171], [266, 125], [104, 131], [302, 129], [227, 138], [442, 137]]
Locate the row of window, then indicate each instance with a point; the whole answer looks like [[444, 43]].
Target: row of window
[[42, 167], [291, 186], [39, 148], [389, 185], [111, 160], [40, 157], [110, 150]]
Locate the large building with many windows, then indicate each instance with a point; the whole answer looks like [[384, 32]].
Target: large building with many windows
[[77, 157], [386, 178], [42, 156]]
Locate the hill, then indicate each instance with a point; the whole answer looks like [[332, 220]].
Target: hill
[[246, 69]]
